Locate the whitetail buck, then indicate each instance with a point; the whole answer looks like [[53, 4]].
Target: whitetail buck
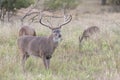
[[88, 32], [42, 46]]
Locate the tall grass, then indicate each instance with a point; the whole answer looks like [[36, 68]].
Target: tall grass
[[96, 59]]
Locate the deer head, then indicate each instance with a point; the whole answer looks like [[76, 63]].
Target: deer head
[[56, 31]]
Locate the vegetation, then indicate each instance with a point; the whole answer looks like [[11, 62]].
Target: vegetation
[[97, 59], [103, 2], [12, 5], [115, 2], [23, 3], [58, 4]]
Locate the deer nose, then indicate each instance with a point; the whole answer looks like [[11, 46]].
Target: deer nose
[[48, 57], [60, 35]]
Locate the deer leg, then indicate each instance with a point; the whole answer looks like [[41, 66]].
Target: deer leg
[[46, 62], [86, 37], [24, 58]]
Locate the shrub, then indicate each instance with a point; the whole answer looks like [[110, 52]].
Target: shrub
[[115, 2], [11, 4], [58, 4], [23, 3]]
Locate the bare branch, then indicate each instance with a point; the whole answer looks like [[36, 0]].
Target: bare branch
[[28, 13], [33, 18], [66, 21]]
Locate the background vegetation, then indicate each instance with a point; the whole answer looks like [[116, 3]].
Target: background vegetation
[[115, 2], [10, 6], [59, 4], [97, 59]]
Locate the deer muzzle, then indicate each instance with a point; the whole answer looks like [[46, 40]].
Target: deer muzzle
[[48, 57]]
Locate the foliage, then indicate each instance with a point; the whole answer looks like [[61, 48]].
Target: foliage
[[115, 2], [12, 4], [57, 4], [97, 60], [103, 2], [23, 3]]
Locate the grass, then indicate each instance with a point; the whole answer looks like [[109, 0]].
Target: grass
[[96, 59]]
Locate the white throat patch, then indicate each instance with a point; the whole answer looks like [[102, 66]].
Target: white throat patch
[[56, 39]]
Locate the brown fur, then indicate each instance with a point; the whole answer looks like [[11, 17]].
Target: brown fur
[[26, 30], [37, 46], [88, 32]]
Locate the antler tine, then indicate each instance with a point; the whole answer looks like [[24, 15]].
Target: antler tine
[[49, 23], [66, 21], [28, 15], [44, 23], [33, 18]]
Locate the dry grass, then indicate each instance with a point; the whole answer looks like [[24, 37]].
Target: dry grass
[[97, 59]]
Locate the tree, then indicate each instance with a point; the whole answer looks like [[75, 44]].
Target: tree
[[58, 4], [115, 2], [10, 6], [103, 2], [115, 5]]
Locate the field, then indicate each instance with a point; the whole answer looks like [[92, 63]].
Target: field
[[97, 58]]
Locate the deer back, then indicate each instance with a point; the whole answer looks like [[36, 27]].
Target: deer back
[[26, 30], [23, 42], [90, 31]]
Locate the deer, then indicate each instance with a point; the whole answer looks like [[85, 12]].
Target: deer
[[89, 32], [26, 30], [41, 46]]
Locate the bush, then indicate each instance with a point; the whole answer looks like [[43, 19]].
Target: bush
[[11, 4], [115, 2], [23, 3], [58, 4]]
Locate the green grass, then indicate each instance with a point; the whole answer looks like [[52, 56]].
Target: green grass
[[96, 59]]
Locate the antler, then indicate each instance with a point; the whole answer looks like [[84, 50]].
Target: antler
[[49, 23], [44, 23], [28, 14], [34, 18], [67, 20]]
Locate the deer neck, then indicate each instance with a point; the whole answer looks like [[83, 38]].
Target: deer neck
[[52, 42]]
